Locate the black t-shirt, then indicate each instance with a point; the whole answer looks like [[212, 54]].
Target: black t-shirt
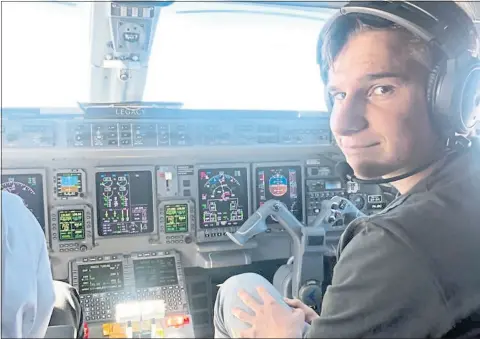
[[413, 270]]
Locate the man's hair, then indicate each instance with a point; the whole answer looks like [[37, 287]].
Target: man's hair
[[347, 26]]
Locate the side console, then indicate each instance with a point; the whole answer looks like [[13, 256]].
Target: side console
[[105, 281]]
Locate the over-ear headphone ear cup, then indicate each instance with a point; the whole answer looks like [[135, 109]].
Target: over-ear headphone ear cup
[[469, 98], [432, 85]]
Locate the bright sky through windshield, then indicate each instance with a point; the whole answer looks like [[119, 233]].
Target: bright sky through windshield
[[44, 54], [205, 60], [236, 60]]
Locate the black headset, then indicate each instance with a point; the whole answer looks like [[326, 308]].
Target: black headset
[[453, 91]]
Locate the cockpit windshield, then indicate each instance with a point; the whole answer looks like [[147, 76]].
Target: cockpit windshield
[[204, 55], [45, 54]]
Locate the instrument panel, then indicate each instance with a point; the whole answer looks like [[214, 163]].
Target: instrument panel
[[124, 201], [71, 228], [283, 182], [223, 200], [176, 218], [30, 185], [91, 200], [122, 210], [69, 184]]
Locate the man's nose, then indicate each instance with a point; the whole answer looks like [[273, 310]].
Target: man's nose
[[348, 117]]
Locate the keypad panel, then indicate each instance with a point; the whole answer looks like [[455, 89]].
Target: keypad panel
[[100, 307]]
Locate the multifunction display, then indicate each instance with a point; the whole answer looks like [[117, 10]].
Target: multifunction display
[[71, 225], [30, 188], [223, 197], [176, 218], [155, 272], [124, 202], [100, 278], [69, 184], [283, 183]]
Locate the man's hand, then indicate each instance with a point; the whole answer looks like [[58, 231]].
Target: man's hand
[[297, 304], [271, 320]]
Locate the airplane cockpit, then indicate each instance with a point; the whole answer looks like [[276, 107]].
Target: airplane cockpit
[[166, 146]]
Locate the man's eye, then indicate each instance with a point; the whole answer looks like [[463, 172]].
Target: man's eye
[[382, 90], [338, 96]]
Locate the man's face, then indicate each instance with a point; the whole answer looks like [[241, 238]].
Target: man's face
[[380, 117]]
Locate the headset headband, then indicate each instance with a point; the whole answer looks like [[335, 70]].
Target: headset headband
[[445, 26]]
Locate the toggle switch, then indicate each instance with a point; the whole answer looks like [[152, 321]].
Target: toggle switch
[[168, 178]]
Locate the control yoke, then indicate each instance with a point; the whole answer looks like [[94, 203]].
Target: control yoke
[[257, 223], [303, 277], [308, 243]]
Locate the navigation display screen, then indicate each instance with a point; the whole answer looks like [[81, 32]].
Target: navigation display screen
[[176, 218], [155, 272], [30, 188], [100, 278], [283, 183], [71, 225], [124, 202], [223, 197], [69, 185]]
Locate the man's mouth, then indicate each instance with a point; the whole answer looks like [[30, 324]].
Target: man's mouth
[[358, 149], [359, 146]]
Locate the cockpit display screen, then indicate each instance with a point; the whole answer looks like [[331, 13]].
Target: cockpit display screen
[[124, 202], [30, 188], [155, 272], [100, 278], [69, 185], [71, 224], [223, 197], [283, 183], [176, 218]]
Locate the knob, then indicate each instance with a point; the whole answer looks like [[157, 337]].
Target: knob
[[311, 295], [331, 219], [188, 239], [83, 248]]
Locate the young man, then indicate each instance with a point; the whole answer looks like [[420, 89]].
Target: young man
[[412, 270], [31, 299]]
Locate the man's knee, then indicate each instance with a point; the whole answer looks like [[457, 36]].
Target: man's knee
[[248, 282], [245, 281]]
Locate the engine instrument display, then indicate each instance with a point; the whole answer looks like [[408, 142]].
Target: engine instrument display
[[100, 278], [176, 218], [71, 225], [223, 197], [283, 183], [155, 272], [124, 202], [69, 184], [29, 187]]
